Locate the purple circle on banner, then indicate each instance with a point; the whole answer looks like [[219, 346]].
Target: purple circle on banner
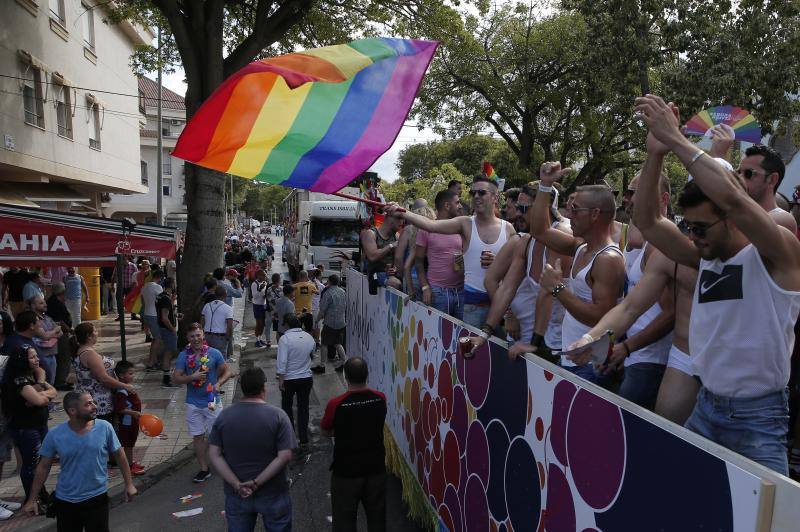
[[477, 374], [596, 449], [476, 511], [562, 399], [454, 505], [462, 486], [497, 438], [478, 452], [446, 327], [523, 495], [459, 420], [560, 516], [446, 517], [460, 360]]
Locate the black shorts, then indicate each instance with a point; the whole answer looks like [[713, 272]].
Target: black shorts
[[331, 337]]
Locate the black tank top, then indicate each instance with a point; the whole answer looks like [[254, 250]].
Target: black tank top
[[381, 242]]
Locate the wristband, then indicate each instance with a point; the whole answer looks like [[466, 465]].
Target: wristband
[[546, 189], [426, 287], [697, 155], [537, 340], [557, 289], [627, 349], [588, 337], [487, 329]]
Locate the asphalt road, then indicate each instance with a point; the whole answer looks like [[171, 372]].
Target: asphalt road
[[309, 474]]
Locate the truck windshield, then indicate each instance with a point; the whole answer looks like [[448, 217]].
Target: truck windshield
[[335, 233]]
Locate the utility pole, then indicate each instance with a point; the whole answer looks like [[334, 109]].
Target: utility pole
[[160, 144], [233, 216]]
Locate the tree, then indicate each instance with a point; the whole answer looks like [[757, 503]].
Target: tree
[[212, 39], [405, 191]]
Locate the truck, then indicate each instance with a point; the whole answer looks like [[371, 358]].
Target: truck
[[320, 229]]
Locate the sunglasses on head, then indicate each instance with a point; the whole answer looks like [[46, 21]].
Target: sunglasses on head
[[697, 229], [479, 192]]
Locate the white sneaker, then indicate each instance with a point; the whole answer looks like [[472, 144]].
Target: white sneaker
[[5, 514], [9, 505]]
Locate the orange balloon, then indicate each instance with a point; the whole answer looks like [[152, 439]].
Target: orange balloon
[[150, 425]]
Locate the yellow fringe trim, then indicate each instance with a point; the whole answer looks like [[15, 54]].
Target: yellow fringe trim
[[419, 507]]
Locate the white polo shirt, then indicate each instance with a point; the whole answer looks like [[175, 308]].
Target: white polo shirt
[[215, 316], [294, 354]]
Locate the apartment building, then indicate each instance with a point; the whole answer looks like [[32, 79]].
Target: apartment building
[[69, 105]]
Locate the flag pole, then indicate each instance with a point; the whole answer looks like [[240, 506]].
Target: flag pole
[[364, 200]]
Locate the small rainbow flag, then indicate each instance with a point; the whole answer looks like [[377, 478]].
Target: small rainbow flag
[[744, 125], [488, 171], [313, 120]]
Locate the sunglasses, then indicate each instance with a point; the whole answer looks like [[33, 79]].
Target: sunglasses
[[523, 208], [748, 173], [697, 229], [480, 193]]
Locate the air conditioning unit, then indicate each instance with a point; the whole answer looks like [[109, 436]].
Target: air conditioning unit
[[175, 122]]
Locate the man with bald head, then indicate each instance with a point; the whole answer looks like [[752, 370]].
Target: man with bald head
[[594, 284]]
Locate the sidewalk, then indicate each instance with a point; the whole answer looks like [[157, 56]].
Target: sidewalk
[[167, 404]]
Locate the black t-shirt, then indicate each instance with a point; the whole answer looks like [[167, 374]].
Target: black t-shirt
[[246, 255], [15, 281], [107, 274], [164, 301], [357, 419], [232, 258], [57, 310], [20, 415]]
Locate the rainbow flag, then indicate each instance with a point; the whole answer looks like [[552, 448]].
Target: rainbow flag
[[313, 120], [488, 171], [746, 128]]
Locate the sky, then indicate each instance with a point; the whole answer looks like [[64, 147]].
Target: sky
[[385, 166]]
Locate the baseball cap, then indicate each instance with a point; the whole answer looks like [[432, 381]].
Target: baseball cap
[[233, 272]]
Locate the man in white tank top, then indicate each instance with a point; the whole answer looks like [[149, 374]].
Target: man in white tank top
[[482, 237], [746, 300], [597, 275]]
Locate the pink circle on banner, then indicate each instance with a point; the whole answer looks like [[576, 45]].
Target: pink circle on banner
[[445, 389], [414, 400], [560, 516], [562, 399], [595, 429], [431, 375], [539, 426], [424, 416], [446, 517], [420, 468], [459, 419], [437, 480], [460, 360], [478, 452], [433, 423], [452, 464], [419, 436], [428, 459], [477, 374], [437, 444], [447, 332], [415, 357], [476, 510], [419, 332]]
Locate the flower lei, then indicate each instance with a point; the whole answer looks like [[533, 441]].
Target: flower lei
[[191, 361]]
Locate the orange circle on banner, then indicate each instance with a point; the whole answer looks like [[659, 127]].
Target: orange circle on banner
[[150, 425]]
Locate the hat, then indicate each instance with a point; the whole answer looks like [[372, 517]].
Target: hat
[[232, 271]]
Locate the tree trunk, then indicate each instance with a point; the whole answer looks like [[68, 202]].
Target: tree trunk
[[205, 233]]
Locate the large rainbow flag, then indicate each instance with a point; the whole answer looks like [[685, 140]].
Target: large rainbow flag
[[315, 119]]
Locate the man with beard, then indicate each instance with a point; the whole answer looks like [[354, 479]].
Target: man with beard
[[83, 445]]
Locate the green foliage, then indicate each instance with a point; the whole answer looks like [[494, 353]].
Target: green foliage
[[258, 199]]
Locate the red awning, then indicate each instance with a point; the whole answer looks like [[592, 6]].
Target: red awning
[[32, 237]]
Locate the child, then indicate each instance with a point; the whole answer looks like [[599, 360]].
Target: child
[[127, 409]]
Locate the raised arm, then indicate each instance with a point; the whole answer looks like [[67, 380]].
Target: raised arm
[[496, 273], [657, 230], [778, 247], [539, 215], [452, 226]]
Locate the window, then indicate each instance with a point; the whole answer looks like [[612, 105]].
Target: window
[[165, 131], [63, 110], [142, 108], [87, 23], [32, 98], [57, 11], [166, 185], [94, 126], [166, 164], [144, 173], [335, 234]]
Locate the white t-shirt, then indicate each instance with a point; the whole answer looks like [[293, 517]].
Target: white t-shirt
[[215, 316], [149, 293], [259, 298]]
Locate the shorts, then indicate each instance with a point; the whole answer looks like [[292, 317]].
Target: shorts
[[152, 324], [331, 336], [170, 340], [199, 420], [259, 311], [128, 434], [680, 361]]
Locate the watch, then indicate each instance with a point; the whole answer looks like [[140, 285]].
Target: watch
[[557, 289]]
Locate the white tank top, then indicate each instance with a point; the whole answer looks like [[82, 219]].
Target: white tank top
[[658, 351], [524, 303], [473, 273], [571, 328], [741, 333], [552, 337]]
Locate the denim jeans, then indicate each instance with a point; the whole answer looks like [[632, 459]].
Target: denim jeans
[[641, 383], [448, 300], [275, 510], [753, 427], [28, 441], [48, 364], [475, 315]]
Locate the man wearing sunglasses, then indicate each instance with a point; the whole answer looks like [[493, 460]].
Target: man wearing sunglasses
[[746, 300], [482, 235], [763, 170], [597, 275]]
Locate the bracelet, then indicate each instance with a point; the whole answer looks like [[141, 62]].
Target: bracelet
[[557, 289], [546, 189], [627, 349], [488, 329], [694, 159], [588, 337], [426, 287], [537, 340]]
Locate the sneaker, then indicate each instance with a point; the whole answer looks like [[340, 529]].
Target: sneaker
[[137, 469], [168, 385], [201, 476], [5, 514], [259, 343], [148, 339], [318, 369], [9, 505]]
